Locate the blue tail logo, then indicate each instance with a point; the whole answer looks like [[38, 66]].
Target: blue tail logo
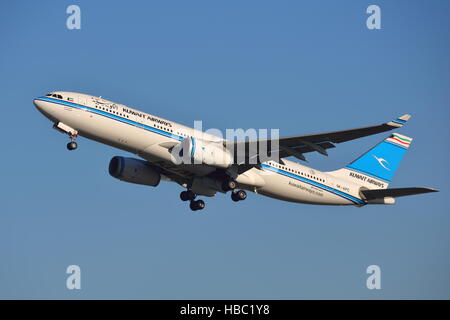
[[382, 161]]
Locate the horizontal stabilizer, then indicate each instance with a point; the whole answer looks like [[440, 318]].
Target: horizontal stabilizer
[[394, 192]]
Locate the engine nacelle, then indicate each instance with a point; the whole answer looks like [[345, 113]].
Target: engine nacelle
[[134, 171], [197, 151]]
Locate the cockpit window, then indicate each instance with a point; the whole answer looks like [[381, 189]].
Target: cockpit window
[[55, 95], [48, 95]]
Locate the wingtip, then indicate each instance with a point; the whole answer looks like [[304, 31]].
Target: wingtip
[[427, 190], [400, 121], [405, 117]]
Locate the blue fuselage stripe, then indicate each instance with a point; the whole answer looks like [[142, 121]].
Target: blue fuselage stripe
[[111, 116], [315, 184]]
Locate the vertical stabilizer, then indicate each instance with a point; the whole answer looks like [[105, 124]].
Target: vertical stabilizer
[[375, 168]]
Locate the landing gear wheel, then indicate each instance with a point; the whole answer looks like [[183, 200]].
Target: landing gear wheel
[[184, 196], [72, 145], [238, 196], [229, 185], [197, 205], [187, 195], [241, 194]]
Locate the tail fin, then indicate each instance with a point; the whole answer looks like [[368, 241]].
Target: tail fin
[[375, 168]]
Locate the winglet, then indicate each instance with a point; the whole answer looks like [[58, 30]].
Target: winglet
[[400, 121]]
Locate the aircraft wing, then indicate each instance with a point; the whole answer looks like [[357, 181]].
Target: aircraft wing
[[298, 145]]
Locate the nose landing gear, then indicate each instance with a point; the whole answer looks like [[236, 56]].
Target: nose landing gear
[[72, 145], [71, 132]]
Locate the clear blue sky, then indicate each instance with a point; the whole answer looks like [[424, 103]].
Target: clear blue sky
[[303, 67]]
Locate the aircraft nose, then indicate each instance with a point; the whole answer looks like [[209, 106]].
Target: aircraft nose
[[42, 106], [37, 103]]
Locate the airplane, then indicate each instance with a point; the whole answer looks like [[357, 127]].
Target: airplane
[[205, 164]]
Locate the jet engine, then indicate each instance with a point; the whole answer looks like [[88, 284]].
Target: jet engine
[[197, 151], [134, 171]]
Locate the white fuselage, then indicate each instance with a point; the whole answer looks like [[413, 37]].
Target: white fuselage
[[148, 136]]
